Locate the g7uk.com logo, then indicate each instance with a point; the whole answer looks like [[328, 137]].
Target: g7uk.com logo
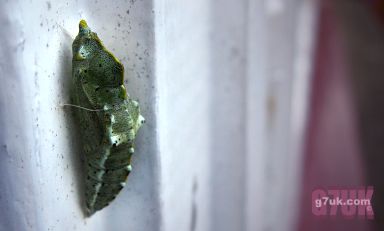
[[350, 203]]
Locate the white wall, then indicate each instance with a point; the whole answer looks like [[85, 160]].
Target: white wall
[[223, 87], [281, 39], [183, 78], [41, 176]]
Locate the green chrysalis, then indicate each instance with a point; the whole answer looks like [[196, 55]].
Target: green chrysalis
[[108, 118]]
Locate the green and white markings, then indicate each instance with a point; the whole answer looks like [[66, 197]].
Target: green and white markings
[[109, 120]]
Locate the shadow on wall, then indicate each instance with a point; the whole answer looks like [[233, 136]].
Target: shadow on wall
[[65, 77]]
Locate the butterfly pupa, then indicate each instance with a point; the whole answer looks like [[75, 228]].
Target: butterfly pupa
[[109, 125]]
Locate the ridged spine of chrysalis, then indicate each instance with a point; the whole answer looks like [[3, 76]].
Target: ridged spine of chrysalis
[[108, 118]]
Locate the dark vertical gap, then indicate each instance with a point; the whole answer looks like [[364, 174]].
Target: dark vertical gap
[[335, 161], [364, 38]]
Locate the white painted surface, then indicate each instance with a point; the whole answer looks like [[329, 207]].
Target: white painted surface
[[228, 108], [279, 59], [220, 84], [183, 77], [261, 54], [41, 170]]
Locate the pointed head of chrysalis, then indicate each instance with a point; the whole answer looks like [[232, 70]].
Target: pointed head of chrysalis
[[99, 71]]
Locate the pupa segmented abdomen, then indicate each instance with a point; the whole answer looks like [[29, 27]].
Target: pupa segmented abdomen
[[109, 166]]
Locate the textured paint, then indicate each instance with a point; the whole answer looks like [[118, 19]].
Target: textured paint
[[108, 118]]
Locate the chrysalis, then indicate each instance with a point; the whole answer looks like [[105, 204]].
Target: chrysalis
[[108, 118]]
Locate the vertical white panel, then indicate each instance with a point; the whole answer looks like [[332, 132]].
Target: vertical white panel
[[183, 77], [281, 35], [304, 43], [41, 172], [256, 143], [228, 119]]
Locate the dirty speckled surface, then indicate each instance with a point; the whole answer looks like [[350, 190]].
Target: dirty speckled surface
[[205, 53], [41, 170]]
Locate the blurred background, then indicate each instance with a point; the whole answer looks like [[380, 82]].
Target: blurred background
[[250, 105]]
